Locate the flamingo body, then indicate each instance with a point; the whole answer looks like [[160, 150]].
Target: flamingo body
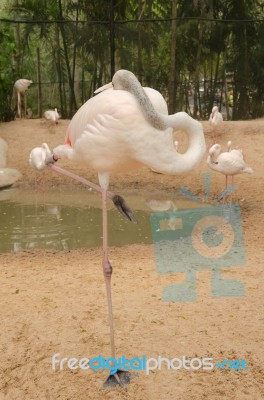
[[21, 85], [39, 156], [215, 120], [52, 115], [228, 163], [111, 134], [215, 117]]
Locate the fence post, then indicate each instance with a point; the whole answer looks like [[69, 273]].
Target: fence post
[[39, 85]]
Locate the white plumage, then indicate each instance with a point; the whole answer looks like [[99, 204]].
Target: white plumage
[[8, 176], [121, 129], [38, 157], [215, 117], [3, 152], [52, 115], [229, 163], [215, 120], [21, 85]]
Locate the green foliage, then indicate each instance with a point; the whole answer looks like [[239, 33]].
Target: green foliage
[[74, 42], [7, 45]]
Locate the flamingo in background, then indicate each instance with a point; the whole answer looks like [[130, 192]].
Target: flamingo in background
[[21, 85], [38, 159], [39, 155], [123, 128], [229, 163], [52, 115], [8, 176], [215, 120]]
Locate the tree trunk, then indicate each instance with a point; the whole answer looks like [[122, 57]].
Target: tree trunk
[[39, 85], [172, 77], [139, 44], [197, 101], [112, 36], [63, 106], [73, 103]]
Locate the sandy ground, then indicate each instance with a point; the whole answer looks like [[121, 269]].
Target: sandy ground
[[54, 302]]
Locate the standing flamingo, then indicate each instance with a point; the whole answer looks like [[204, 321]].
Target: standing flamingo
[[215, 120], [21, 85], [122, 128], [52, 115], [229, 163]]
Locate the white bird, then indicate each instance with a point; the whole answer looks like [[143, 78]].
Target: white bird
[[3, 152], [215, 120], [52, 115], [176, 145], [21, 85], [229, 163], [8, 176], [121, 129], [40, 156]]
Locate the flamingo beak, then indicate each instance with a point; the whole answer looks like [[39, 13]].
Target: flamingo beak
[[107, 86]]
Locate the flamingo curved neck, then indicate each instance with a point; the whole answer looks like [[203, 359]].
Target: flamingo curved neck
[[169, 161], [152, 116]]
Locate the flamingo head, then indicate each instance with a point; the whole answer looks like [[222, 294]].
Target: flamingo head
[[122, 80], [214, 152]]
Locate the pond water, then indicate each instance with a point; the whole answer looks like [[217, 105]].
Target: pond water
[[65, 221]]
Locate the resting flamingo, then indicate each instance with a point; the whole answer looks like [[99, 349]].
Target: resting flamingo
[[229, 163], [215, 120], [38, 157], [21, 86], [52, 115], [123, 128]]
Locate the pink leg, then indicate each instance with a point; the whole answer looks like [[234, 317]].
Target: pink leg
[[121, 377], [231, 196], [107, 270], [43, 189], [36, 191], [226, 183], [18, 105], [25, 105]]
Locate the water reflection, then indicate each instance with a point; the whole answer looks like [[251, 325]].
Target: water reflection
[[65, 221], [63, 227]]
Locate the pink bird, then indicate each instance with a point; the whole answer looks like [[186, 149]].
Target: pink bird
[[123, 128], [21, 85], [52, 115], [215, 120], [229, 163]]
